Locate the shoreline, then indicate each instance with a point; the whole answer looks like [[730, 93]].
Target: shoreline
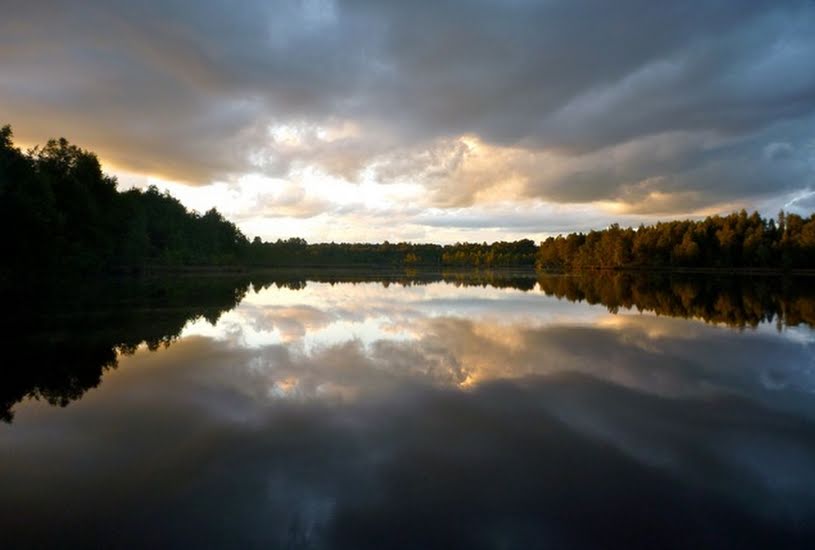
[[687, 270], [403, 270], [395, 272]]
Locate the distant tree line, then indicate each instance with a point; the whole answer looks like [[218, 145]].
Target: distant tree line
[[735, 241], [297, 252]]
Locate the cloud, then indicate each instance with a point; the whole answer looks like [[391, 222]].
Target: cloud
[[668, 110], [287, 200]]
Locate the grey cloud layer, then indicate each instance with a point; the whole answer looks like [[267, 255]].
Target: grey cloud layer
[[666, 107]]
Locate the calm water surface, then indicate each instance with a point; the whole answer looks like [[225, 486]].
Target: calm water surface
[[512, 413]]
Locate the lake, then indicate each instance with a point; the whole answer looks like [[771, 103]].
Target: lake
[[410, 410]]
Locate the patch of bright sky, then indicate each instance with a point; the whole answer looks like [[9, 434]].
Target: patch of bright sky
[[313, 205], [320, 207]]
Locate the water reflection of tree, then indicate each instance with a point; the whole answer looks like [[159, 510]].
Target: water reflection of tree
[[296, 279], [734, 301], [60, 337]]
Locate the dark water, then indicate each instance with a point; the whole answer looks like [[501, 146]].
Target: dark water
[[409, 411]]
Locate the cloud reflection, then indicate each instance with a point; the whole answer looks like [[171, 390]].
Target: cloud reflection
[[459, 425]]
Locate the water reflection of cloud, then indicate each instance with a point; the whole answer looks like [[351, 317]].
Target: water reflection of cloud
[[454, 421], [313, 441], [453, 335], [369, 311]]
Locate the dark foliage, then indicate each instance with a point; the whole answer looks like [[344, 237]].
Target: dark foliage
[[63, 335], [59, 211]]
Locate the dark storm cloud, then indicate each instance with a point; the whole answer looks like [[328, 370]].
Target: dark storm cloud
[[680, 99]]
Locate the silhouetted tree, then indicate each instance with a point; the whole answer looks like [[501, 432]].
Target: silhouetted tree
[[58, 210]]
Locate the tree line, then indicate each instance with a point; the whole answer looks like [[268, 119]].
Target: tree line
[[735, 241], [59, 211], [297, 252]]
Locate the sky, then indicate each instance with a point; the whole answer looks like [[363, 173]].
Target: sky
[[439, 121]]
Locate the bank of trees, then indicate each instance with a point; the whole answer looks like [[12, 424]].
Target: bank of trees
[[296, 252], [736, 241], [59, 211]]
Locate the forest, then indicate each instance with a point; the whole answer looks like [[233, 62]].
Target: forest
[[59, 212], [735, 241]]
